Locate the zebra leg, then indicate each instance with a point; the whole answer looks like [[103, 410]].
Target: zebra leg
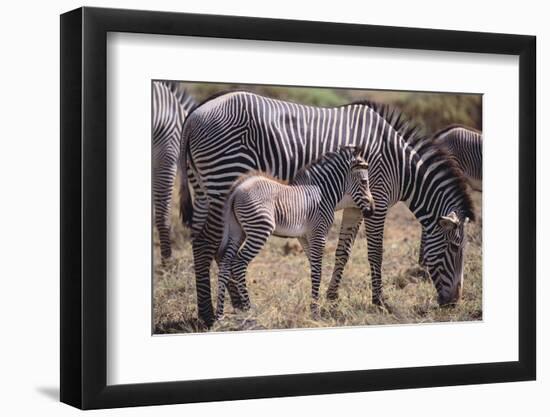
[[203, 254], [351, 221], [163, 182], [200, 214], [250, 248], [423, 272], [421, 248], [205, 245], [224, 276], [305, 245], [375, 239], [234, 294], [316, 247]]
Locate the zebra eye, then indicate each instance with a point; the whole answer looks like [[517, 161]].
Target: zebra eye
[[364, 181], [455, 247]]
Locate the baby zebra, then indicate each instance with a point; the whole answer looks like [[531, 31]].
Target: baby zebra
[[259, 205]]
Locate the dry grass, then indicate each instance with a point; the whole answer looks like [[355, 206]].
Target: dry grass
[[279, 284]]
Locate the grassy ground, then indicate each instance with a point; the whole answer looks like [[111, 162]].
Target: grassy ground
[[279, 283]]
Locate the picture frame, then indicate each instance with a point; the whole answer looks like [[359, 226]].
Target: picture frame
[[84, 179]]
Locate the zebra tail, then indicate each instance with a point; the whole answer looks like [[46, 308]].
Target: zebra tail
[[228, 220], [186, 200]]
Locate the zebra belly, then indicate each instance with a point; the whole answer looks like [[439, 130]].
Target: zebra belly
[[290, 230]]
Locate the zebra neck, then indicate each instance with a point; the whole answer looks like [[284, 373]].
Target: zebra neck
[[425, 191], [331, 192], [330, 185]]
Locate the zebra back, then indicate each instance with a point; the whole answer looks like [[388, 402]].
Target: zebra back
[[465, 146]]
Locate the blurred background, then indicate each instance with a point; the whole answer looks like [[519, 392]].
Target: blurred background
[[433, 111]]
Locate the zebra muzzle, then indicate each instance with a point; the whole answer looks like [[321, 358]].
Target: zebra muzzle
[[369, 210]]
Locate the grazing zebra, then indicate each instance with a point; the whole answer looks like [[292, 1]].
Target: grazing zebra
[[465, 146], [259, 206], [236, 132], [171, 104]]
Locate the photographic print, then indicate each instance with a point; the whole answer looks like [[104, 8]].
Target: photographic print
[[322, 188], [304, 207]]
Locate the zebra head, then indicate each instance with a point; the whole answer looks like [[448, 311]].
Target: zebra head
[[444, 254], [358, 187]]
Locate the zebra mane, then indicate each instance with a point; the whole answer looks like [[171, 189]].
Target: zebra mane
[[183, 96], [321, 160], [411, 132], [425, 146], [303, 176]]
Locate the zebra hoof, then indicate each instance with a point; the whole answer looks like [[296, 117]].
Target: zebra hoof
[[315, 314], [237, 305], [207, 323], [245, 306], [332, 296], [236, 301], [166, 253]]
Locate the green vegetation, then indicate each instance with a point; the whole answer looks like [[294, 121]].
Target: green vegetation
[[432, 111]]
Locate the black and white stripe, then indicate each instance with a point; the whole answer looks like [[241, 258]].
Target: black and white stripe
[[465, 146], [171, 104], [237, 132], [259, 206]]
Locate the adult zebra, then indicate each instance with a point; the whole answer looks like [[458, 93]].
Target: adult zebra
[[236, 132], [465, 146], [171, 104]]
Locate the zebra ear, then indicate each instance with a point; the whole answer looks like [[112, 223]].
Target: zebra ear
[[449, 222], [351, 148]]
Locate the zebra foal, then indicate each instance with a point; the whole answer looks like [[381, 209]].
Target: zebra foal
[[259, 205]]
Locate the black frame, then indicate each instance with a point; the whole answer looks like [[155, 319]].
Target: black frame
[[84, 208]]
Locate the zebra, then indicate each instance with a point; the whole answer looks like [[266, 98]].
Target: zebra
[[171, 104], [233, 133], [465, 146], [260, 205]]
